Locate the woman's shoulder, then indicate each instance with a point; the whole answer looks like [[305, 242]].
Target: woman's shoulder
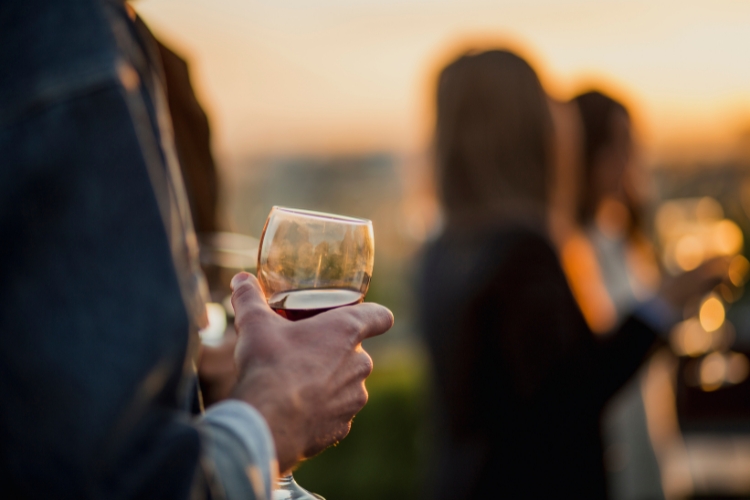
[[500, 240], [464, 258]]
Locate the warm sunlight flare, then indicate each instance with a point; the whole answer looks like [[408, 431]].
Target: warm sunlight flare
[[331, 75]]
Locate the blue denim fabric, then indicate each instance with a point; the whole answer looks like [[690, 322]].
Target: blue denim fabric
[[99, 287]]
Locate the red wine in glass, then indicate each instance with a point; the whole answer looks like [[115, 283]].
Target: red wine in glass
[[301, 304]]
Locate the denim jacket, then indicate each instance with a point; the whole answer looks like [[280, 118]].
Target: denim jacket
[[101, 296]]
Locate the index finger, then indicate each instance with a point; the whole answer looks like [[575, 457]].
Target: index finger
[[360, 321], [248, 299]]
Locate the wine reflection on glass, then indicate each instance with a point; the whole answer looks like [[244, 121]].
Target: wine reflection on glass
[[308, 263]]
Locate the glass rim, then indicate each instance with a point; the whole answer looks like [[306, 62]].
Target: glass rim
[[322, 215]]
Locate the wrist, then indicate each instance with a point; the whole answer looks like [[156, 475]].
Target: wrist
[[289, 447], [278, 414]]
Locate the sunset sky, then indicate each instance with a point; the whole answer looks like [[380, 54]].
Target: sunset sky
[[298, 76]]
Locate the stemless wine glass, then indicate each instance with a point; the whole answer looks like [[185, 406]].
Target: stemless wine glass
[[310, 262]]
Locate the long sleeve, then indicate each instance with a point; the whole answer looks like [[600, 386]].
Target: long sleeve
[[97, 299], [239, 444], [545, 339]]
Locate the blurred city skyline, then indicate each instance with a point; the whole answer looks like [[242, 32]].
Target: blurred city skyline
[[332, 77]]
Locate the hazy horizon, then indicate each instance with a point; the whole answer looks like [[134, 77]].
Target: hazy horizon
[[298, 77]]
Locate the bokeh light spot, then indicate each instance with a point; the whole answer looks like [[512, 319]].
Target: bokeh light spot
[[690, 339], [738, 368], [727, 237], [708, 209], [738, 269], [711, 314], [689, 252], [713, 371]]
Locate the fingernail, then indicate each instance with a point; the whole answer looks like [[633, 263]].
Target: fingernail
[[238, 278]]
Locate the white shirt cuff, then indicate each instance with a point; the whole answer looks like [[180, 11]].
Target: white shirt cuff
[[252, 431]]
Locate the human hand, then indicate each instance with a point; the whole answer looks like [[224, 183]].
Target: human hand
[[678, 290], [305, 377]]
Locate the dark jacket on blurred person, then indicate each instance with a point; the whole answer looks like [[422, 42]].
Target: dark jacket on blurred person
[[101, 294], [521, 380]]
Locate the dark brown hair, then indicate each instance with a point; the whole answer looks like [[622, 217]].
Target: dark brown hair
[[493, 137], [598, 112]]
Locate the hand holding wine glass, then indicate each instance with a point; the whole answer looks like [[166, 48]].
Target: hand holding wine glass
[[678, 290], [306, 376]]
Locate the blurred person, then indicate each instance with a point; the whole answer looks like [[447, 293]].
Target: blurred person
[[612, 268], [101, 295], [521, 379], [566, 170], [610, 213]]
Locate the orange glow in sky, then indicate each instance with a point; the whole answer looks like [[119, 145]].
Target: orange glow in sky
[[290, 76]]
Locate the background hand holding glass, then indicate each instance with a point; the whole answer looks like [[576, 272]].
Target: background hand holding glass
[[308, 263]]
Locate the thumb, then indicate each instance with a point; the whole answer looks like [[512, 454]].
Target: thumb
[[248, 301]]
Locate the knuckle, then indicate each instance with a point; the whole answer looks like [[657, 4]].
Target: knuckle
[[365, 365], [354, 329], [241, 294], [360, 398]]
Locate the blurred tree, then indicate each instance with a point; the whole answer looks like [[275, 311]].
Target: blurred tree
[[383, 456]]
